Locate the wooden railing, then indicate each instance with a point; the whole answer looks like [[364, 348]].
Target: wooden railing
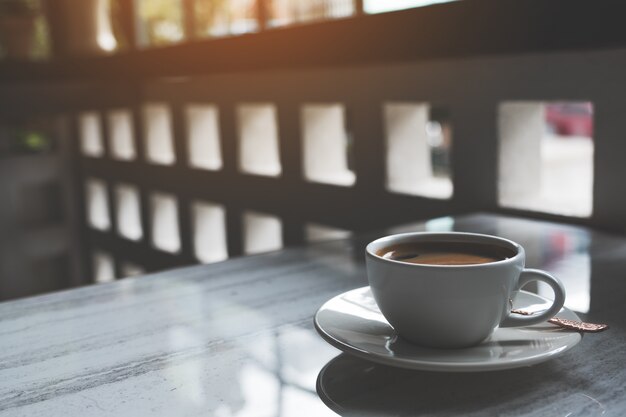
[[355, 74]]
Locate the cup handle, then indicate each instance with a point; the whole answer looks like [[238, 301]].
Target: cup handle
[[527, 276]]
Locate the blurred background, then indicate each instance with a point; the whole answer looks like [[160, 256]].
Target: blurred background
[[143, 135]]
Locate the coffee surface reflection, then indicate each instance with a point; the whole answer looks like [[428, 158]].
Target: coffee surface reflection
[[445, 253]]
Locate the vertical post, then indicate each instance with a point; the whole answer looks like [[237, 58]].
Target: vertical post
[[358, 8], [189, 19], [127, 19], [73, 199], [144, 191], [262, 13], [228, 122], [110, 185], [180, 133], [291, 162], [56, 27], [77, 177]]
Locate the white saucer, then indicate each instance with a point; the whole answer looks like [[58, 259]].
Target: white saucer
[[353, 323]]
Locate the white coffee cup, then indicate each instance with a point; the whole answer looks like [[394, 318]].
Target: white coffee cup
[[453, 306]]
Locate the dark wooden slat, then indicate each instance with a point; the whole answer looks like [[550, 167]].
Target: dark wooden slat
[[124, 250], [457, 29], [344, 207]]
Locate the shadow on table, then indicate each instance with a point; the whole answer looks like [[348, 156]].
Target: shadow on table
[[351, 386]]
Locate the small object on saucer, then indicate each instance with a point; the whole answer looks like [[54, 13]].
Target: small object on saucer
[[353, 323], [579, 326]]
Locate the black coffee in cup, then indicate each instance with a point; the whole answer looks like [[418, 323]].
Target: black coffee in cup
[[445, 253]]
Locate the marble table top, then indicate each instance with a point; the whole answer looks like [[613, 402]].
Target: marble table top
[[236, 339]]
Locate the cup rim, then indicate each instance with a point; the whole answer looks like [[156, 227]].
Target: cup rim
[[389, 239]]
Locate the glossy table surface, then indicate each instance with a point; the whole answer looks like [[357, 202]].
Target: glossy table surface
[[236, 339]]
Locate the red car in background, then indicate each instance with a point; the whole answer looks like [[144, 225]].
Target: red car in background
[[570, 119]]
